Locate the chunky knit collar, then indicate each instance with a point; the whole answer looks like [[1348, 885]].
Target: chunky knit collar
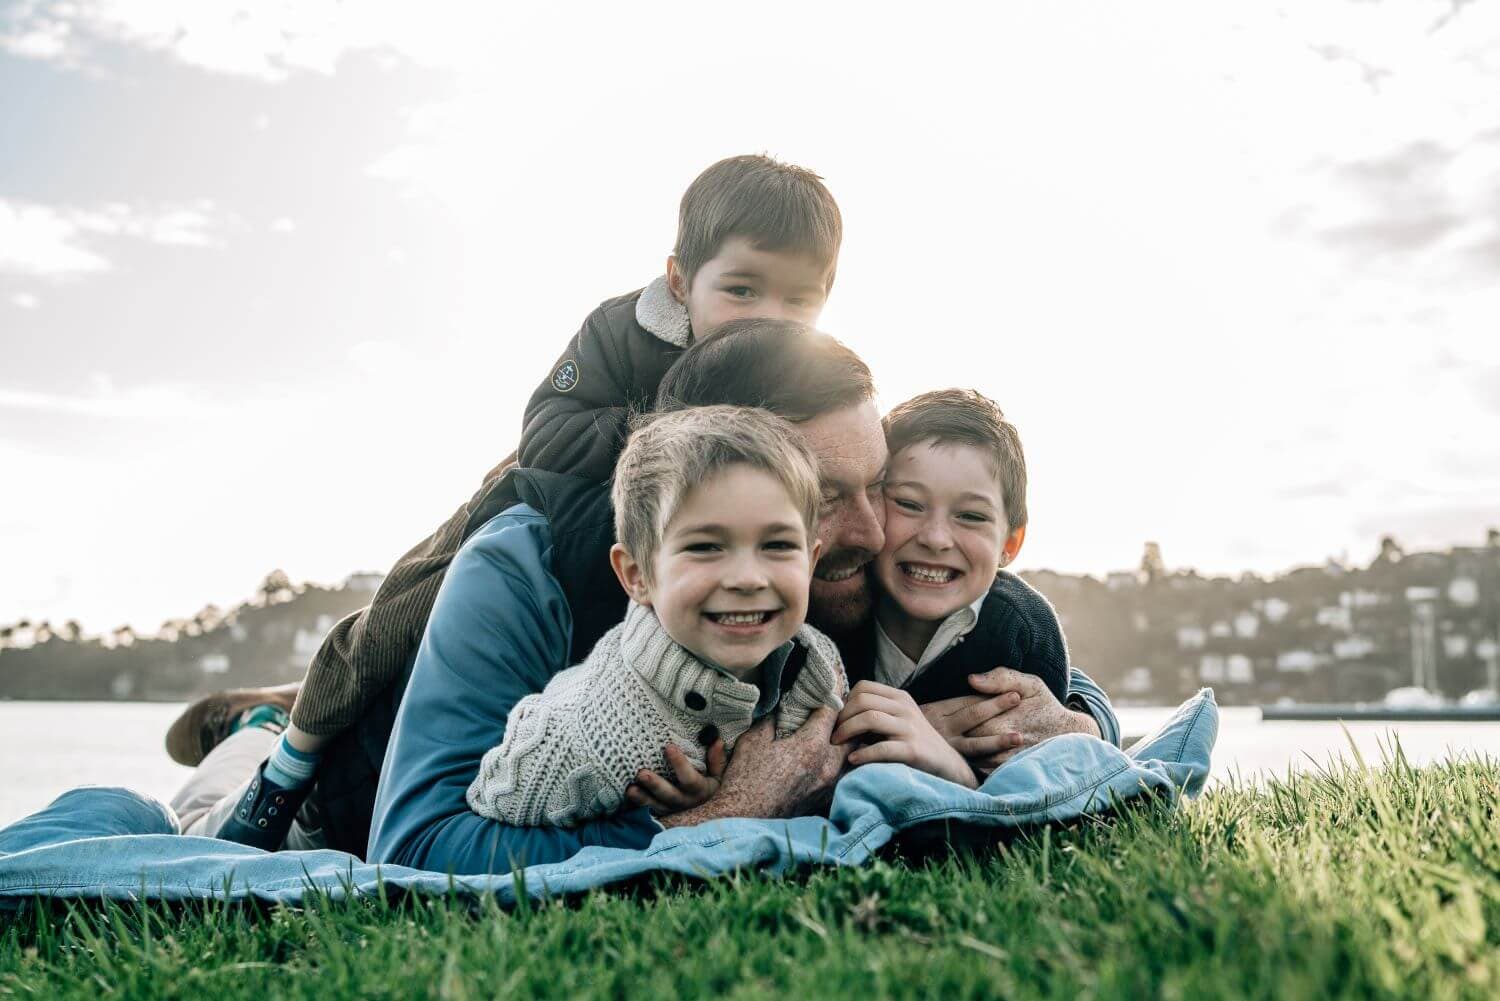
[[659, 312], [694, 687]]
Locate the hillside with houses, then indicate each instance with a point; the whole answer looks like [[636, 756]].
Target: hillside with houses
[[1329, 633], [265, 640]]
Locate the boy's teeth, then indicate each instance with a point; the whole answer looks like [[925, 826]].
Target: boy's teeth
[[930, 576], [740, 618]]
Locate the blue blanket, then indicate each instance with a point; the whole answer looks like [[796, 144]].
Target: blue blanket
[[106, 842]]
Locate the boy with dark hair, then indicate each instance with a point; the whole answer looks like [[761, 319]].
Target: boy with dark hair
[[955, 496], [756, 238]]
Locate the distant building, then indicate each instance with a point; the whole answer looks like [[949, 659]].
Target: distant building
[[1190, 638], [1274, 609], [1136, 681], [365, 580], [1297, 660], [213, 663]]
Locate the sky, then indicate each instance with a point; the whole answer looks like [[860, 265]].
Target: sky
[[276, 279]]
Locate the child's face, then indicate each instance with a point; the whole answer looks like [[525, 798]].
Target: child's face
[[741, 282], [732, 574], [945, 529]]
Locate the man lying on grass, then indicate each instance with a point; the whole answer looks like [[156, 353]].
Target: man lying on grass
[[532, 590], [531, 593]]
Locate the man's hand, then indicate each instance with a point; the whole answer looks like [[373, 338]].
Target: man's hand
[[767, 777], [1036, 717], [900, 732], [691, 788]]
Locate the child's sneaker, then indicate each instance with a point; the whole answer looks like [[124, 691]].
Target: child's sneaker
[[264, 814]]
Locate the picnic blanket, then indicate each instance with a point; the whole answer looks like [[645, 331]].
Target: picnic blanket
[[105, 842]]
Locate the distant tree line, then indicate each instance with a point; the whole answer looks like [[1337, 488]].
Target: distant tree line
[[1324, 633]]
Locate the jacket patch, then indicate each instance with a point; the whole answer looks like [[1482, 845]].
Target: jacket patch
[[566, 376]]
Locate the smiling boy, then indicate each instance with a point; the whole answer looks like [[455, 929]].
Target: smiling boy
[[955, 497], [716, 514]]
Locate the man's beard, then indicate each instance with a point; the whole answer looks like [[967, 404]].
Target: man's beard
[[841, 607]]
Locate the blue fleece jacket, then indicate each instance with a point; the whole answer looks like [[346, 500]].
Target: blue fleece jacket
[[499, 630]]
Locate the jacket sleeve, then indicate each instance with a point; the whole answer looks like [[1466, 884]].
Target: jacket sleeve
[[576, 420], [367, 650], [499, 630], [1085, 696]]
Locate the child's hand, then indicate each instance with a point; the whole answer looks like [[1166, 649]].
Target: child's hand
[[692, 787], [891, 718]]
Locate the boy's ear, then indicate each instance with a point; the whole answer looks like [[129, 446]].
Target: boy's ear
[[677, 282], [817, 551], [631, 575], [1012, 547]]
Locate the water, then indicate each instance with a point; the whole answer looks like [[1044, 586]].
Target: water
[[47, 747]]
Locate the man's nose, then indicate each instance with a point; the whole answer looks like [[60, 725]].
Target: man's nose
[[863, 526]]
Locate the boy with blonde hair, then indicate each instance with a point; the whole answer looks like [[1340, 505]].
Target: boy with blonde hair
[[716, 515]]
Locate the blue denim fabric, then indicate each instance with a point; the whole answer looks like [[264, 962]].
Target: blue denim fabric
[[104, 842]]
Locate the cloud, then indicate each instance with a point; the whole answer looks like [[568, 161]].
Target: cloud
[[144, 402], [268, 40], [61, 242]]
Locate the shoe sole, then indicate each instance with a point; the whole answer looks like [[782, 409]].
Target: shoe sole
[[206, 722]]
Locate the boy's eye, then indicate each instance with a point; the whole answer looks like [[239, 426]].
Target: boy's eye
[[701, 547], [740, 291], [973, 516], [783, 545], [906, 505]]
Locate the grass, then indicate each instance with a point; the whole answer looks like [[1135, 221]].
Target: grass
[[1345, 882]]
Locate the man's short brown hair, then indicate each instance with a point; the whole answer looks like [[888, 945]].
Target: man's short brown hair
[[965, 417], [782, 366], [774, 205]]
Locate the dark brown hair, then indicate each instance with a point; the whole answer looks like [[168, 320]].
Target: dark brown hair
[[965, 417], [782, 366], [774, 205]]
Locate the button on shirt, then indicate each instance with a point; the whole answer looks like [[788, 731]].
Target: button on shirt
[[893, 667], [771, 670]]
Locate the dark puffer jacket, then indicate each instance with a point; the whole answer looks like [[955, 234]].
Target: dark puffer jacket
[[576, 420]]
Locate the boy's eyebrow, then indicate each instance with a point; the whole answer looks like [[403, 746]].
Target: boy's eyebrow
[[711, 528], [740, 274]]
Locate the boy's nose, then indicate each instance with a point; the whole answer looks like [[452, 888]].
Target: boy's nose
[[935, 535], [744, 575]]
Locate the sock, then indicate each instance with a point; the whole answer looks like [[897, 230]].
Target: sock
[[267, 717], [288, 767]]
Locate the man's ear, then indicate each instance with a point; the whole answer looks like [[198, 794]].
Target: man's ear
[[1012, 547], [677, 282], [631, 575]]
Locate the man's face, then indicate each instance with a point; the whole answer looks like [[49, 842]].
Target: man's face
[[741, 282], [850, 447]]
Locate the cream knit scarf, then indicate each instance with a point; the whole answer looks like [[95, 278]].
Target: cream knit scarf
[[570, 750]]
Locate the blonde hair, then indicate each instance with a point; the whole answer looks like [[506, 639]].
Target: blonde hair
[[669, 454]]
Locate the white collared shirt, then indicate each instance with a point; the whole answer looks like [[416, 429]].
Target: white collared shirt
[[893, 667]]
